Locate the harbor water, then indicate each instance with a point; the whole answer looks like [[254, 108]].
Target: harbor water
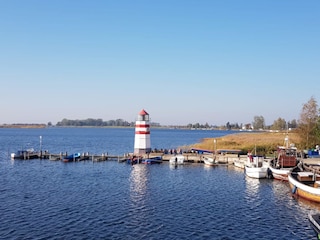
[[43, 199]]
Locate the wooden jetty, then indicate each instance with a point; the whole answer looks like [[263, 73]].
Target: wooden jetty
[[61, 156], [222, 159]]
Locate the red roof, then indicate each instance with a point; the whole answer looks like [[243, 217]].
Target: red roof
[[143, 112]]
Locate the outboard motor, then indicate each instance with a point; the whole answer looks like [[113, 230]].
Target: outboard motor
[[269, 174]]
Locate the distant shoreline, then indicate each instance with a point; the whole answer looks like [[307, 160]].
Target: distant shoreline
[[35, 125], [23, 125]]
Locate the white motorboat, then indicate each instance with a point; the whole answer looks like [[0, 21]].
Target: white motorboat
[[256, 166], [177, 160]]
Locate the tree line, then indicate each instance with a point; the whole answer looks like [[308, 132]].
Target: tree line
[[90, 122], [94, 123], [307, 127]]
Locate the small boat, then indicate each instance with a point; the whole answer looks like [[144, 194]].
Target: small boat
[[152, 160], [134, 160], [305, 184], [256, 166], [72, 157], [314, 219], [209, 161], [286, 160], [177, 160], [25, 154], [239, 162]]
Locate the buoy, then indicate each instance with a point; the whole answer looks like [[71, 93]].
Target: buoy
[[294, 189]]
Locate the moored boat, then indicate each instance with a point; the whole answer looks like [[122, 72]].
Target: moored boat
[[152, 160], [25, 154], [239, 162], [256, 167], [280, 173], [209, 161], [305, 184], [285, 161], [72, 157], [314, 219], [134, 160], [177, 160]]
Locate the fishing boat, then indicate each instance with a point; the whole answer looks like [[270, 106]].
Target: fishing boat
[[284, 163], [314, 219], [177, 160], [305, 184], [286, 160], [256, 166], [209, 161], [72, 157]]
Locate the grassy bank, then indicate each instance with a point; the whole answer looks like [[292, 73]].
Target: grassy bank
[[264, 142]]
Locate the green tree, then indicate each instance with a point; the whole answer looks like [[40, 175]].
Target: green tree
[[279, 124], [309, 124], [293, 124], [258, 122]]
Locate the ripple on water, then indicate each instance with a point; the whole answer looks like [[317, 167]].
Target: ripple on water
[[108, 200]]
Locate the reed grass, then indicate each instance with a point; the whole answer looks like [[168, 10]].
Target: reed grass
[[262, 142]]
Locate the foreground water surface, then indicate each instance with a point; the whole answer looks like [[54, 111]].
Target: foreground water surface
[[42, 199]]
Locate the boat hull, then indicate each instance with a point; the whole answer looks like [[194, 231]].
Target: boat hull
[[209, 161], [303, 190], [154, 160], [255, 172], [177, 160], [280, 174], [72, 157], [239, 163], [315, 222]]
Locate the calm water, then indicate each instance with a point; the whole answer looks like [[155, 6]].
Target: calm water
[[42, 199]]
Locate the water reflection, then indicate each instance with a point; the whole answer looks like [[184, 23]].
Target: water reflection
[[281, 189], [240, 170], [175, 166], [304, 203], [138, 183], [252, 188]]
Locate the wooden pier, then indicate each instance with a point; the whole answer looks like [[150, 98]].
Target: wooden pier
[[189, 157], [61, 156]]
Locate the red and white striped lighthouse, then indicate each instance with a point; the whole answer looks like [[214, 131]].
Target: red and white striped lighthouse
[[142, 134]]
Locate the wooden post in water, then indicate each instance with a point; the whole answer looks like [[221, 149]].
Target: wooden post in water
[[40, 155]]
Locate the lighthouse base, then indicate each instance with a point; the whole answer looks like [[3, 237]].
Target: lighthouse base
[[142, 151]]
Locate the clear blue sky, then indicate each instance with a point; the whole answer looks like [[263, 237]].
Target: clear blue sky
[[182, 61]]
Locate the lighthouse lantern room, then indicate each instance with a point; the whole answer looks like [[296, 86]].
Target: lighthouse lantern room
[[142, 134]]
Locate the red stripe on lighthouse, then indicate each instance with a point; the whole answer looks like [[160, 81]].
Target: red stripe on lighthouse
[[142, 125], [142, 132]]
